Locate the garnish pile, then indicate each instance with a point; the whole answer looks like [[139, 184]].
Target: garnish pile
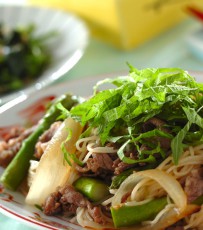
[[119, 114]]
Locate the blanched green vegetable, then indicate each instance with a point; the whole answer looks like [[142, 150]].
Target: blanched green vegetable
[[94, 189], [125, 216], [17, 169], [23, 57]]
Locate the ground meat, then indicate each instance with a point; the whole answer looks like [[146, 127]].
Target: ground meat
[[11, 145], [52, 204], [119, 166], [45, 138], [194, 184], [97, 214], [99, 164], [66, 200], [70, 196]]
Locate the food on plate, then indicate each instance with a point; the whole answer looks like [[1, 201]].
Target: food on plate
[[23, 57], [130, 156]]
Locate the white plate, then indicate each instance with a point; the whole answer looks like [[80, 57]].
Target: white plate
[[12, 203], [67, 47]]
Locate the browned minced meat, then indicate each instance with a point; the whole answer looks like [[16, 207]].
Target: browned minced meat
[[66, 200], [45, 138], [119, 166], [11, 145], [105, 165], [97, 214], [194, 184], [97, 164], [52, 204]]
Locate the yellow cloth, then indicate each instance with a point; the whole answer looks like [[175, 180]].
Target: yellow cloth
[[125, 23]]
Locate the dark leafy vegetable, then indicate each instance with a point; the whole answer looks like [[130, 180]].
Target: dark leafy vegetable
[[94, 189], [124, 216], [169, 94], [17, 169], [23, 57]]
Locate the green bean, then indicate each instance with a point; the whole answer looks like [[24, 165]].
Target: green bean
[[94, 189], [16, 171], [125, 216]]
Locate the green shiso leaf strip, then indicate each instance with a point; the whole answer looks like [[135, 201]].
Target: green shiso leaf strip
[[67, 155], [118, 113]]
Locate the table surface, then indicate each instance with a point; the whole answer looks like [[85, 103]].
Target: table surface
[[169, 49]]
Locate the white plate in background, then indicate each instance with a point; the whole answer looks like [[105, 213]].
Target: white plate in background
[[67, 47]]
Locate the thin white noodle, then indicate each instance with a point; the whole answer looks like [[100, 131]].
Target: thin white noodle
[[104, 150], [81, 147], [90, 147], [136, 203], [137, 187], [106, 202], [88, 155], [191, 150], [85, 220], [183, 171], [85, 140], [165, 163], [112, 191]]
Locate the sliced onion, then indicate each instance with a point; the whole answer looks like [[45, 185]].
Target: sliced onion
[[126, 187], [53, 171], [166, 181], [172, 217]]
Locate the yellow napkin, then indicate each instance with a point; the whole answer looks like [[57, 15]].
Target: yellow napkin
[[125, 23]]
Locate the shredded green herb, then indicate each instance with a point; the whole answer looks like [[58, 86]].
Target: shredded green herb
[[67, 155], [118, 114]]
